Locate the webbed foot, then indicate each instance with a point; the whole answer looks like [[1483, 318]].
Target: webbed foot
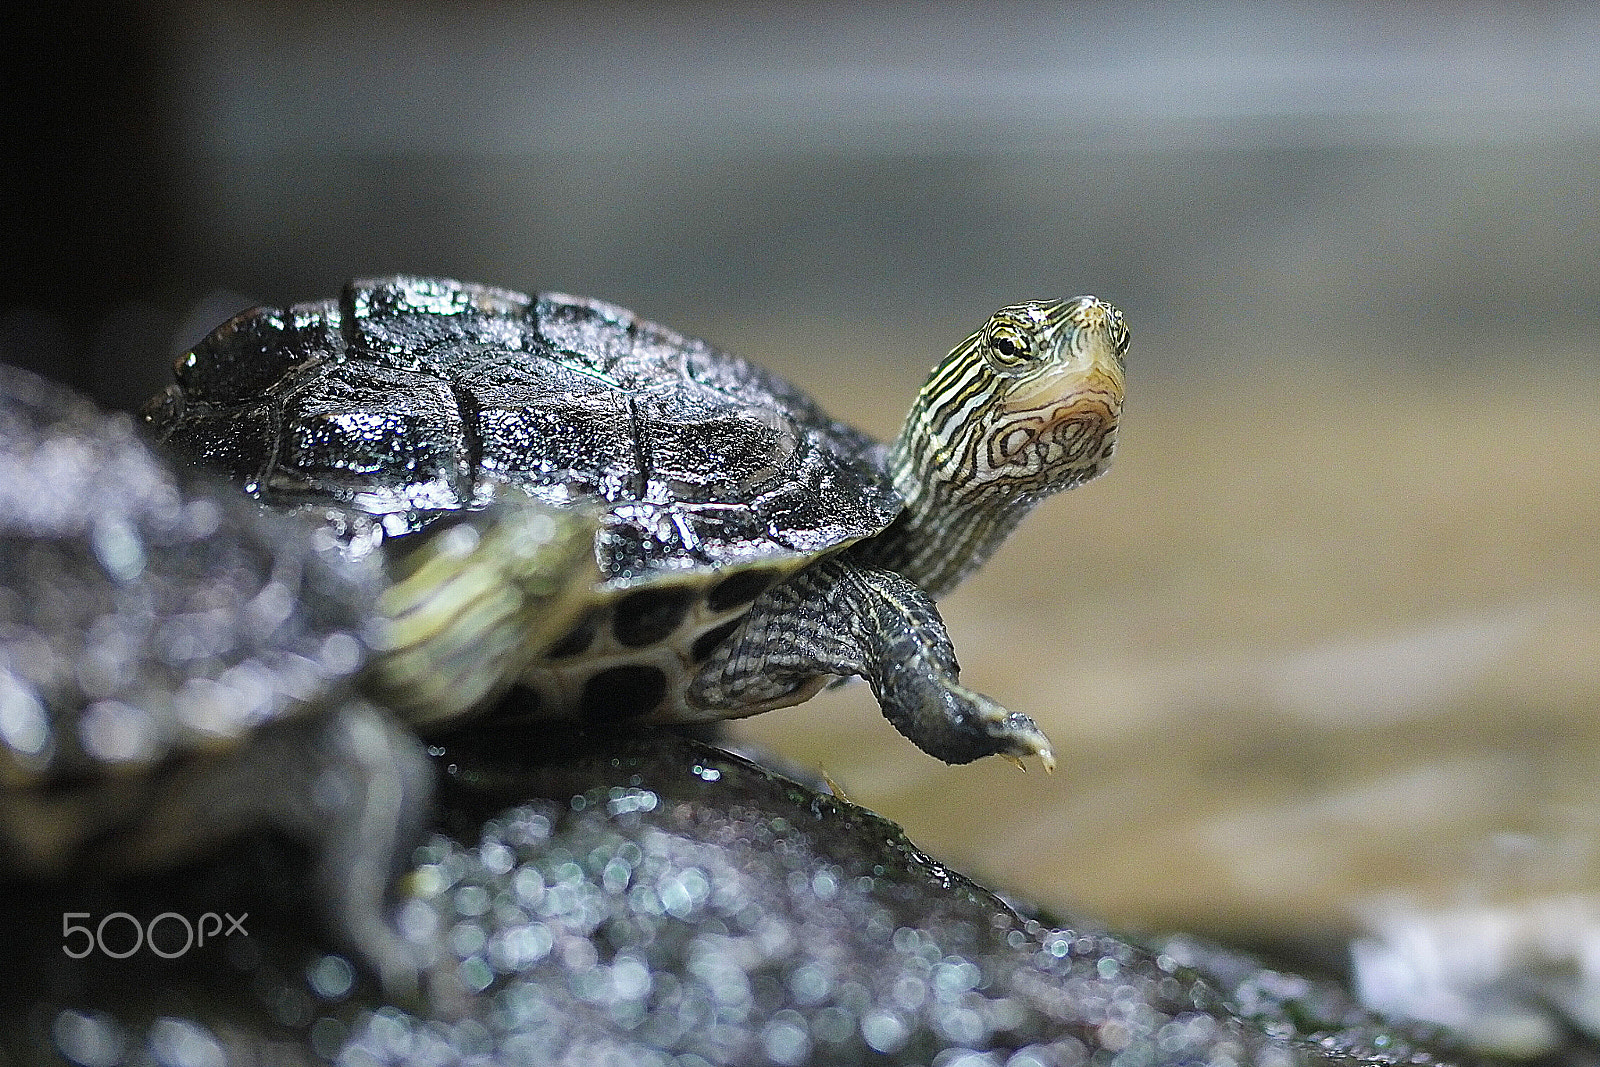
[[952, 723]]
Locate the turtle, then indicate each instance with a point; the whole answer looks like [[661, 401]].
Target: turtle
[[751, 548], [179, 665]]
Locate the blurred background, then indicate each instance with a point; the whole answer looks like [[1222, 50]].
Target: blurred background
[[1321, 655]]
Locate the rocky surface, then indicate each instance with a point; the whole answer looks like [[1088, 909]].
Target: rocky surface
[[657, 901]]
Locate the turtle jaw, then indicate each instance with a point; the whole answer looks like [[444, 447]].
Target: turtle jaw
[[1056, 433], [1086, 366]]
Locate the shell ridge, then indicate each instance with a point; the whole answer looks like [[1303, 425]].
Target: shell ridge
[[471, 443], [349, 324], [642, 466]]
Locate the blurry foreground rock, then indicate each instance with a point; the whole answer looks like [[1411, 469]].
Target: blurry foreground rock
[[661, 902]]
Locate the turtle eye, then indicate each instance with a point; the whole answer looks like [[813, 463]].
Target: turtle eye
[[1007, 344]]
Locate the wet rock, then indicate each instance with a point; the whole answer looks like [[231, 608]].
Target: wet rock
[[657, 901]]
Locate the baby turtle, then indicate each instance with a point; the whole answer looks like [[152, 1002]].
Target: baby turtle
[[178, 665], [751, 547]]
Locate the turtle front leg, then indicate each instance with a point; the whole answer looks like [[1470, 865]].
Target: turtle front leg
[[837, 617]]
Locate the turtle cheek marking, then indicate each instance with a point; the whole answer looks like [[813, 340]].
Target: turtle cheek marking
[[624, 692], [1018, 450], [1088, 431], [649, 616], [1069, 442], [1005, 448], [1073, 436]]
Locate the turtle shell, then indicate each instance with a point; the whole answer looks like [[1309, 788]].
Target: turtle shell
[[142, 616], [410, 398]]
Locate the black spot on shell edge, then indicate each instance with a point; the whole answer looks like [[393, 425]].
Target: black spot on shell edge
[[621, 693], [578, 639], [740, 588], [650, 616], [707, 642]]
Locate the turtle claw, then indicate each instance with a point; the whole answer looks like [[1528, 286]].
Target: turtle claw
[[1023, 737], [1046, 759], [1012, 735]]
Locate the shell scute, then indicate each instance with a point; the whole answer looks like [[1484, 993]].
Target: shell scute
[[416, 323], [385, 439], [700, 451], [588, 334], [556, 433], [241, 439]]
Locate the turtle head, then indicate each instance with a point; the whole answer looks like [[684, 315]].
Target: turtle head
[[1025, 407]]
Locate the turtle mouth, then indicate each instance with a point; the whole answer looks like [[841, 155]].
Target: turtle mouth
[[1063, 393]]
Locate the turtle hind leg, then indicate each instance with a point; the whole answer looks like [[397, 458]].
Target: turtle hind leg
[[353, 785], [837, 617], [375, 795]]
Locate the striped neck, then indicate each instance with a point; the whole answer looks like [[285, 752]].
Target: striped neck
[[1024, 408], [940, 537]]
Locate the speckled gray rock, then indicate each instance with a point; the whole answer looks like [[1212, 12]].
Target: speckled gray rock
[[138, 615], [661, 902]]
